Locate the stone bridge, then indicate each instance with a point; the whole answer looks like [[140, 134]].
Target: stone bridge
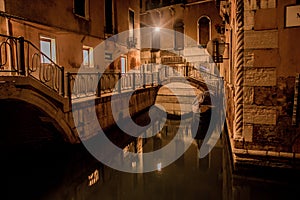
[[41, 103]]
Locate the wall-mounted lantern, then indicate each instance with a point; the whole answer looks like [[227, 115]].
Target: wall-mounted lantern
[[220, 28], [216, 48]]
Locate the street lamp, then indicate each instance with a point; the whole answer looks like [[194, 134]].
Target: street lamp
[[216, 49]]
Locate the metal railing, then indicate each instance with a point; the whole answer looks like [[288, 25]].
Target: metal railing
[[20, 57], [9, 59], [96, 84], [172, 59], [83, 84], [203, 76]]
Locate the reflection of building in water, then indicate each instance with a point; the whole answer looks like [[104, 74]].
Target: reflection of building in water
[[174, 129]]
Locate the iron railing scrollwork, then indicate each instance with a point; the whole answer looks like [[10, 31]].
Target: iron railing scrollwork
[[43, 68], [23, 58], [9, 60]]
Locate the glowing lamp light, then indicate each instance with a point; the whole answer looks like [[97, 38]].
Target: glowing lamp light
[[157, 29], [216, 49]]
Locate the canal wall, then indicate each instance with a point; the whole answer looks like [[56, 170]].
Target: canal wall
[[88, 126]]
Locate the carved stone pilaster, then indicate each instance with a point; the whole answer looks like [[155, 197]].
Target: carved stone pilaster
[[239, 67]]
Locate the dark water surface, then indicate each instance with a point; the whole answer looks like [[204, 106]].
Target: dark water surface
[[71, 173]]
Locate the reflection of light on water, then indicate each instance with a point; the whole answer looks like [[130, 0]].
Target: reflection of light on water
[[133, 164], [126, 151], [159, 167], [93, 178]]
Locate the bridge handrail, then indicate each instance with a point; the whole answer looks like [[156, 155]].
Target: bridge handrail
[[8, 51], [105, 83], [22, 58], [89, 84]]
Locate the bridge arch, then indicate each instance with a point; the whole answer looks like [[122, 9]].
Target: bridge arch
[[26, 123], [24, 102], [186, 91]]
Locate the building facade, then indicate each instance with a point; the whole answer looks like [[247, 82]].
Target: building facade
[[69, 31], [193, 24], [262, 78]]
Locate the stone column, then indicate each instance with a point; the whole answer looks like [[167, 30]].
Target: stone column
[[239, 62]]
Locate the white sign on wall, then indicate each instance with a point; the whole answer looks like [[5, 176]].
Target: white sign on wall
[[292, 16]]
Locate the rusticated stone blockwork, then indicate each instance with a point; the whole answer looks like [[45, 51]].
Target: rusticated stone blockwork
[[258, 4], [265, 135], [261, 39], [268, 117], [259, 77], [248, 95], [257, 58], [274, 138], [265, 19], [248, 133], [259, 115], [265, 96], [249, 20], [285, 95]]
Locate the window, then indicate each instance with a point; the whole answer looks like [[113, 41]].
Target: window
[[148, 5], [2, 5], [123, 64], [108, 16], [203, 31], [155, 3], [81, 8], [47, 46], [179, 35], [88, 59], [156, 38], [131, 23], [166, 2], [131, 41]]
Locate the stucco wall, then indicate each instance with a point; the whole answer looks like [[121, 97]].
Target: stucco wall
[[59, 14], [166, 17], [55, 19]]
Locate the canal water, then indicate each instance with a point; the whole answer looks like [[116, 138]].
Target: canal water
[[72, 173]]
